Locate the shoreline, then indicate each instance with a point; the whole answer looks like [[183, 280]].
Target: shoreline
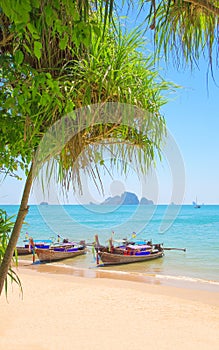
[[206, 292], [61, 310], [106, 272]]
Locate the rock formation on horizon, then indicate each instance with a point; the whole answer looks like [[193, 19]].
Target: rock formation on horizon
[[145, 201], [127, 198]]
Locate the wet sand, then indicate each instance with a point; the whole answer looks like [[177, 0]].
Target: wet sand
[[98, 310]]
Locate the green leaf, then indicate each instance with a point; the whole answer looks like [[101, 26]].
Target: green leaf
[[27, 48], [49, 14], [33, 31], [21, 99], [19, 57], [37, 49], [63, 42], [96, 30], [35, 3], [48, 75]]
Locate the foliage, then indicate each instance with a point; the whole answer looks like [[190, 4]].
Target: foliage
[[115, 73], [50, 68], [6, 226], [37, 39], [186, 29]]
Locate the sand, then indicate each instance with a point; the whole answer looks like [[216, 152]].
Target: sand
[[60, 311]]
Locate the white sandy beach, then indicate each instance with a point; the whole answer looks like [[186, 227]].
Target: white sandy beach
[[68, 312]]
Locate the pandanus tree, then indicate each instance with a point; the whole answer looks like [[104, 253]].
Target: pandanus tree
[[61, 56]]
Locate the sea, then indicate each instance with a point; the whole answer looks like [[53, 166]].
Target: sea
[[195, 229]]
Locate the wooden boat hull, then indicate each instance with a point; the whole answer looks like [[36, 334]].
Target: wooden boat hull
[[49, 255], [116, 259], [23, 251]]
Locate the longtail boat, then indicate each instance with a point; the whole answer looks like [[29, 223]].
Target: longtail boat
[[128, 252], [27, 248], [29, 243], [125, 258], [60, 252]]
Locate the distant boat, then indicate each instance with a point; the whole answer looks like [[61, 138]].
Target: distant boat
[[196, 205]]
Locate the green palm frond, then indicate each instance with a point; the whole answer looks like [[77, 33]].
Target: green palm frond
[[185, 30]]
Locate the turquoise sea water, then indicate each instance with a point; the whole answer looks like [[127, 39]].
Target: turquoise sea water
[[197, 230]]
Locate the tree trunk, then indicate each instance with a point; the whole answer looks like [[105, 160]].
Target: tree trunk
[[23, 210]]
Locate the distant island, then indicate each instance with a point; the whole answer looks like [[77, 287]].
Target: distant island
[[127, 198], [44, 203]]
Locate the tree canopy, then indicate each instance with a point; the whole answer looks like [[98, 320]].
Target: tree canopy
[[50, 67]]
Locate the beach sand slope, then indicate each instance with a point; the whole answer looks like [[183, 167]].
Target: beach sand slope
[[68, 312]]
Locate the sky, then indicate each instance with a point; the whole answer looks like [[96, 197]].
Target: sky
[[192, 119]]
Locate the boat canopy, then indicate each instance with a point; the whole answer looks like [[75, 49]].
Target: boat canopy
[[142, 246]]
